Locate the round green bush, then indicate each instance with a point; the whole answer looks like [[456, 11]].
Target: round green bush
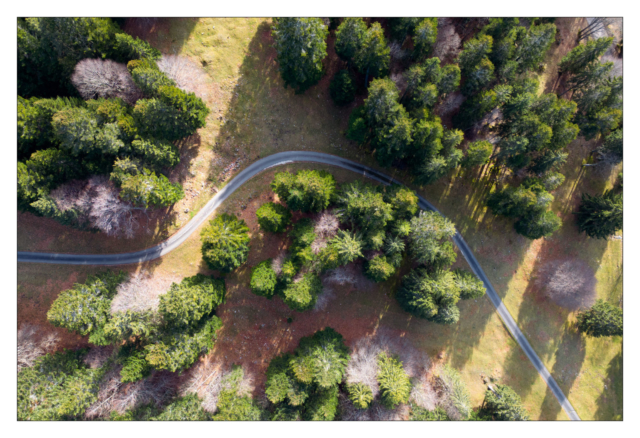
[[342, 88], [274, 218], [379, 269], [263, 279]]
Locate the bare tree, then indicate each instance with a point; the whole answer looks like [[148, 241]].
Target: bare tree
[[98, 356], [95, 78], [327, 224], [31, 346], [424, 394], [328, 294], [187, 74], [98, 204], [276, 263], [448, 43], [141, 292], [570, 284], [596, 26]]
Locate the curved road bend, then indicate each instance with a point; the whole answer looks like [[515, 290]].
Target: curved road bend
[[310, 157]]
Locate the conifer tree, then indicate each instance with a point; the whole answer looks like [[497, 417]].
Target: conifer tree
[[350, 37], [600, 216], [503, 404], [395, 385], [603, 319], [225, 243]]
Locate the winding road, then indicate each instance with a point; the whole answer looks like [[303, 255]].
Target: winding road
[[310, 157]]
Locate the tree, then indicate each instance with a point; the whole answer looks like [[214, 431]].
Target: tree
[[600, 216], [185, 304], [363, 206], [103, 78], [272, 217], [478, 153], [611, 150], [233, 404], [177, 350], [425, 37], [58, 387], [225, 243], [597, 24], [320, 359], [430, 296], [534, 45], [470, 286], [450, 79], [350, 37], [401, 27], [302, 294], [427, 231], [85, 308], [402, 199], [475, 50], [77, 131], [503, 404], [263, 279], [603, 319], [146, 188], [128, 47], [342, 88], [584, 54], [322, 405], [360, 395], [187, 408], [379, 269], [457, 398], [348, 246], [395, 385], [126, 325], [301, 47], [537, 225], [155, 153], [478, 77], [373, 56], [307, 190], [282, 384]]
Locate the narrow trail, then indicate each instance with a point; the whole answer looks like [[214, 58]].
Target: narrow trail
[[305, 157]]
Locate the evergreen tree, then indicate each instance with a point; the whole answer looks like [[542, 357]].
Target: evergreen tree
[[470, 286], [430, 296], [272, 217], [360, 395], [342, 88], [301, 46], [282, 385], [537, 225], [402, 199], [503, 404], [534, 44], [584, 54], [186, 303], [145, 189], [348, 246], [320, 359], [263, 279], [322, 405], [475, 50], [225, 243], [379, 269], [307, 190], [187, 408], [350, 37], [363, 206], [395, 385], [603, 319], [478, 77], [401, 27], [450, 79], [302, 294], [424, 38], [428, 230], [611, 150], [232, 404], [600, 216], [478, 153], [373, 56]]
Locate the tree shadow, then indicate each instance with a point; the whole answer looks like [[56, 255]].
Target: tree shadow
[[161, 32], [611, 398]]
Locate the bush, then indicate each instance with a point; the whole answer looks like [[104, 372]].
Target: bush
[[225, 243], [274, 218], [342, 88], [379, 269], [302, 295], [263, 279]]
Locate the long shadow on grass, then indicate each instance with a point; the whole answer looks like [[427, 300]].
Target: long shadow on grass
[[610, 401], [167, 34]]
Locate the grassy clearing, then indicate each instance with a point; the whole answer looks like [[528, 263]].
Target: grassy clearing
[[253, 116]]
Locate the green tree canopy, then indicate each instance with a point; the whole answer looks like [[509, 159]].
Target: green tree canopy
[[186, 303], [600, 216], [503, 404], [602, 319], [225, 243]]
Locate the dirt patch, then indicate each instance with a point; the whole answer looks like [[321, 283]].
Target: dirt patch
[[570, 284]]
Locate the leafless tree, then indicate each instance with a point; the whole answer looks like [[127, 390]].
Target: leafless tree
[[328, 294], [113, 395], [327, 224], [141, 292], [570, 284], [95, 78], [448, 41], [98, 356], [596, 26], [424, 394], [187, 74], [99, 205], [341, 276], [31, 346], [276, 263]]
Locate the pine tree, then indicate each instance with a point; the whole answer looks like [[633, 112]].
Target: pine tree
[[373, 57], [301, 46], [274, 218], [321, 359], [395, 385], [584, 54], [603, 319], [503, 404], [430, 296], [600, 216], [424, 37], [363, 206], [348, 246], [263, 279], [471, 287], [302, 294], [185, 304], [342, 88], [307, 190], [360, 395], [534, 45], [225, 243], [282, 385], [478, 153], [350, 37], [428, 230]]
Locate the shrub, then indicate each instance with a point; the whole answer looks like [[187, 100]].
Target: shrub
[[342, 88], [379, 269], [263, 279], [225, 243], [274, 218]]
